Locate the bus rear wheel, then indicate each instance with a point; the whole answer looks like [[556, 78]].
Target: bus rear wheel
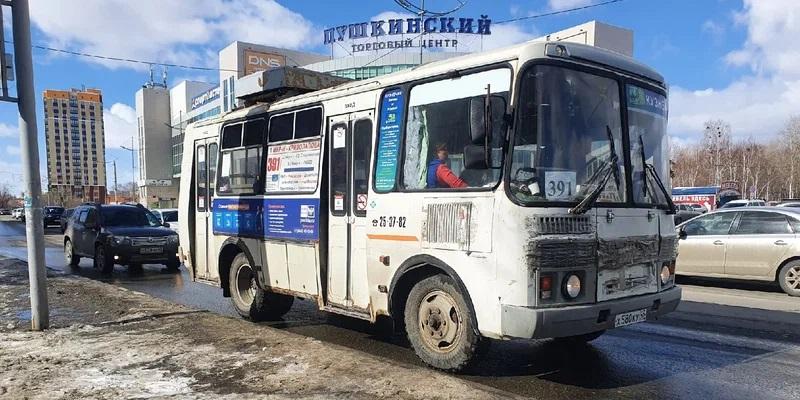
[[440, 325], [249, 300]]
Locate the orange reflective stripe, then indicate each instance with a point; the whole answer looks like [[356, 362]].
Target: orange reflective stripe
[[397, 238]]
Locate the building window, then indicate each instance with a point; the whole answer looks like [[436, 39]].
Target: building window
[[225, 96], [233, 92]]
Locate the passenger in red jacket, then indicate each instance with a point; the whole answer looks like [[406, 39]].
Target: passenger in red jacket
[[439, 174]]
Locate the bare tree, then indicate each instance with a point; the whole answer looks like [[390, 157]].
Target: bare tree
[[791, 138], [6, 197], [767, 170]]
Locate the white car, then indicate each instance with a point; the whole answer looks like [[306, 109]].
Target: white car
[[168, 215], [744, 203]]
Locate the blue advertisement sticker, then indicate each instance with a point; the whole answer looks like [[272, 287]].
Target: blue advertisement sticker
[[392, 109], [647, 101], [295, 219]]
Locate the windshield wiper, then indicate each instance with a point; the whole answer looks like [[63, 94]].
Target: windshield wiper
[[608, 170], [667, 196], [644, 167], [647, 167]]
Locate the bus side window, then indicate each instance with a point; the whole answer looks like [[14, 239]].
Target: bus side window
[[281, 128], [212, 168], [338, 174], [308, 123], [362, 149], [438, 132], [200, 176], [239, 172]]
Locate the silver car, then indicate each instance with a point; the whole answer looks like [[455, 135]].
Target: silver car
[[756, 243]]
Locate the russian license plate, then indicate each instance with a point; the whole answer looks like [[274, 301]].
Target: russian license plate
[[630, 318], [151, 250]]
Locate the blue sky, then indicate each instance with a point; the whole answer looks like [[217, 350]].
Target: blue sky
[[723, 59]]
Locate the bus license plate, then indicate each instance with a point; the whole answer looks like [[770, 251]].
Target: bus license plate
[[630, 318], [151, 250]]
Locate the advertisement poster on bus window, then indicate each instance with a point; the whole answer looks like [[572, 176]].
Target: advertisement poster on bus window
[[293, 167]]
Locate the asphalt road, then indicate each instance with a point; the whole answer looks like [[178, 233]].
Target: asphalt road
[[728, 340]]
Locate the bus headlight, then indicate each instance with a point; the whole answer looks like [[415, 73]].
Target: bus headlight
[[572, 286], [665, 274]]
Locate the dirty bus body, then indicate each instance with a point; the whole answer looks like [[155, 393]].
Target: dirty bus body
[[508, 194]]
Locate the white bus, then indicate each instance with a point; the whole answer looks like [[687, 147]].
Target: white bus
[[509, 194]]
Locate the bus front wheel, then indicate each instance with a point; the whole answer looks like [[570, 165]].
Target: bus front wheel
[[440, 325], [249, 300]]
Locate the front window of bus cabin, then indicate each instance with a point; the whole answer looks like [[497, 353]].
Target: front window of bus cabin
[[440, 128], [647, 127], [569, 135]]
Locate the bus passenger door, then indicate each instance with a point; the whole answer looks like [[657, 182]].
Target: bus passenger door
[[350, 147], [205, 177]]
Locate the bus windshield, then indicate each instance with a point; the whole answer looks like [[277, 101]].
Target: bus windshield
[[647, 127], [569, 139]]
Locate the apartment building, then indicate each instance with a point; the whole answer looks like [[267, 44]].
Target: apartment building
[[73, 126]]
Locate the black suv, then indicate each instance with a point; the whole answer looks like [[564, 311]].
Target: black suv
[[52, 215], [119, 234]]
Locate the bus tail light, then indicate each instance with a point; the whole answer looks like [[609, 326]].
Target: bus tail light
[[546, 287]]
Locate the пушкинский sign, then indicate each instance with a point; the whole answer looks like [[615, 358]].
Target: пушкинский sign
[[419, 26]]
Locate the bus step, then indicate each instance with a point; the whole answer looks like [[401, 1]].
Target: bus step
[[350, 312]]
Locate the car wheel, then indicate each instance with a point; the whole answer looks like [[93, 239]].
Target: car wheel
[[789, 278], [69, 254], [585, 338], [249, 300], [440, 325], [103, 261]]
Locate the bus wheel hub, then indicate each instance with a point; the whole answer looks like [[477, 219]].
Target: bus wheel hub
[[439, 322]]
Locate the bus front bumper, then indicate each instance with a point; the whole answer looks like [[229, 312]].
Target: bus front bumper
[[533, 323]]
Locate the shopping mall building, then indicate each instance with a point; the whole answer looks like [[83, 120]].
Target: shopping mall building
[[163, 113]]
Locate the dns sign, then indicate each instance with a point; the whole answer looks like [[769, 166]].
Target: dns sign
[[260, 61]]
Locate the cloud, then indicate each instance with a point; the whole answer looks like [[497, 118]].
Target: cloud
[[7, 130], [716, 30], [11, 175], [120, 125], [166, 31], [760, 102], [13, 150], [558, 5]]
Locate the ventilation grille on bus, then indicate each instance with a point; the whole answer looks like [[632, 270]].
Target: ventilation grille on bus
[[562, 225], [447, 226]]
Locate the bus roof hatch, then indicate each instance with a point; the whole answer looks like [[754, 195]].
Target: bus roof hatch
[[279, 83]]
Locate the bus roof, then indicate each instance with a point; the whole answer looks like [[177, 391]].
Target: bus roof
[[577, 53], [536, 49]]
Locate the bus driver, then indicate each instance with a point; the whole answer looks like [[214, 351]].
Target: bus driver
[[439, 174]]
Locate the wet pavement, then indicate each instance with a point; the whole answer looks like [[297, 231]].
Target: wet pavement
[[669, 359]]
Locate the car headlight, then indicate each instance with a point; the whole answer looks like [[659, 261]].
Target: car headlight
[[118, 240], [665, 274], [572, 286], [172, 239]]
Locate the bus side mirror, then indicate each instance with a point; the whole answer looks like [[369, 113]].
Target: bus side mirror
[[484, 111], [682, 234]]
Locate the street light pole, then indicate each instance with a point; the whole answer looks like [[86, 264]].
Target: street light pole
[[133, 168], [34, 230], [116, 189]]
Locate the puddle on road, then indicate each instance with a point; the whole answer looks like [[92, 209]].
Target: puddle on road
[[25, 315]]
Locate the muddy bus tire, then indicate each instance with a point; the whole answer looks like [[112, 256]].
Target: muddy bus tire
[[441, 327], [249, 300]]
